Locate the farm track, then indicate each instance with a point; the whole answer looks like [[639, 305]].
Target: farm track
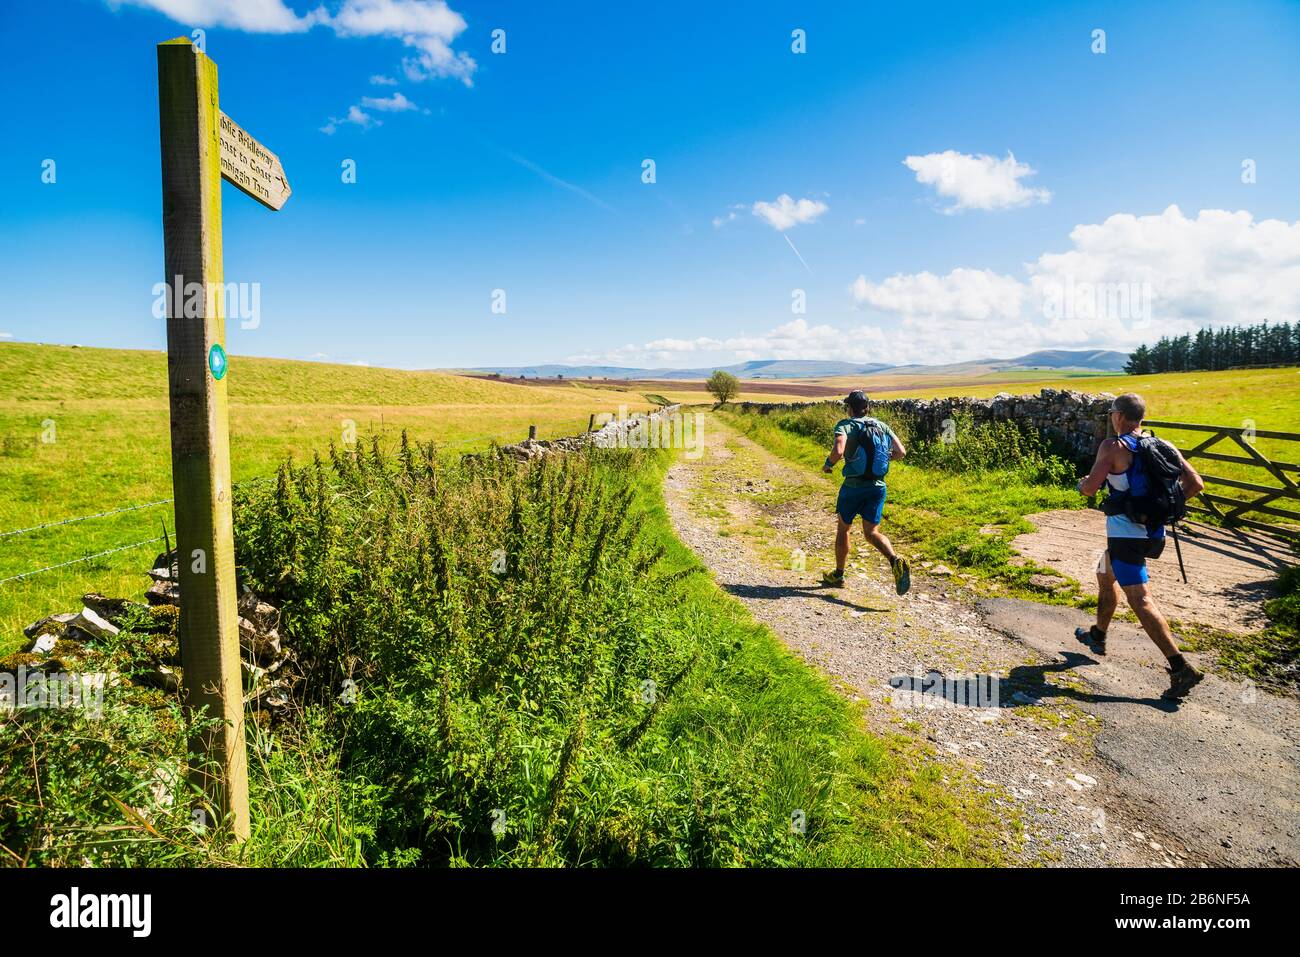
[[1097, 769], [1230, 571]]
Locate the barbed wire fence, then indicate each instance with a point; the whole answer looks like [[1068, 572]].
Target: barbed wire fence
[[75, 520]]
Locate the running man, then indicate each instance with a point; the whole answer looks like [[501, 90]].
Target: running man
[[863, 491], [1123, 565]]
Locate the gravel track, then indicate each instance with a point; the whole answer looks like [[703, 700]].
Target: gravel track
[[1097, 770]]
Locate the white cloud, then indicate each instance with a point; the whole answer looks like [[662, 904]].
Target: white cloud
[[356, 117], [428, 27], [977, 182], [975, 294], [396, 103], [1221, 267], [380, 80], [730, 216], [6, 335], [793, 340], [785, 212], [253, 16], [1127, 280]]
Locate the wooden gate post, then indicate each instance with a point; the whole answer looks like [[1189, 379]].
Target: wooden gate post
[[189, 119]]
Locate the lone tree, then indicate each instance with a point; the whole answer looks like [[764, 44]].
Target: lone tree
[[723, 385]]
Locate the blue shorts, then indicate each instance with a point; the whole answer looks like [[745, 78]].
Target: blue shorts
[[867, 501], [1128, 557]]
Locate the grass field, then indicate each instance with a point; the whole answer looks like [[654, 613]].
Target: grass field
[[1008, 380], [518, 700], [1268, 399], [105, 415]]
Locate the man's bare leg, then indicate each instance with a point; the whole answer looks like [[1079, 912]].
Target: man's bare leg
[[1182, 676], [1153, 623], [1107, 601], [878, 538], [1107, 593], [901, 571], [842, 530]]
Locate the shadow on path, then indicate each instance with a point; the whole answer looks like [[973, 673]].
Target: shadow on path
[[1029, 682], [777, 592]]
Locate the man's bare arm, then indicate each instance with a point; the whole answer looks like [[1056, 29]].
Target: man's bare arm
[[1091, 483], [1191, 481], [896, 451], [837, 452]]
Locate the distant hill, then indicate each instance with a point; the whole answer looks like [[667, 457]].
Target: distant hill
[[1104, 359], [1056, 359], [1098, 360], [779, 369]]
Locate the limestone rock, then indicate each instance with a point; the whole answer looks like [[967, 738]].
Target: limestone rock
[[163, 593], [49, 624], [92, 624]]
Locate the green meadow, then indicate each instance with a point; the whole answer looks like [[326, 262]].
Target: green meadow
[[83, 431]]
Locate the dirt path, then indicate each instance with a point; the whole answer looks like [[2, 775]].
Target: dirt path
[[1098, 771], [1229, 572]]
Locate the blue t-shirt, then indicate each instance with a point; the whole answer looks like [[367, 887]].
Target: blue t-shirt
[[859, 431]]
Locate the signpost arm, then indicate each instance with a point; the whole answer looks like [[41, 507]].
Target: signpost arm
[[189, 118]]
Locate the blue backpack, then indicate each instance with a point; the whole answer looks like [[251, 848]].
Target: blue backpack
[[863, 459]]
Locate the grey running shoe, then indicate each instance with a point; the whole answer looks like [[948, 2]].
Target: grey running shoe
[[1181, 682], [902, 575], [1094, 639]]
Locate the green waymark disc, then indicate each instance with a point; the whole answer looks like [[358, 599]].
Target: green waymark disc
[[217, 360]]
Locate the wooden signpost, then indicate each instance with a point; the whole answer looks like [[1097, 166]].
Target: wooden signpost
[[200, 147], [249, 165]]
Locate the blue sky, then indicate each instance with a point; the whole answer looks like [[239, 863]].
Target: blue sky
[[959, 180]]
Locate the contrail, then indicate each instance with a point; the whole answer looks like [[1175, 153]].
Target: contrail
[[796, 252], [552, 178]]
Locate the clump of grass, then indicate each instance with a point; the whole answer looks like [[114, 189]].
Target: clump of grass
[[543, 679], [109, 788], [1270, 656], [540, 678]]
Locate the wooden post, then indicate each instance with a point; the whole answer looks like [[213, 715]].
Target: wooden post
[[532, 431], [189, 119], [591, 423]]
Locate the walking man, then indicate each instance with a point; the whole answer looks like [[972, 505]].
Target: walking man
[[1123, 565], [867, 446]]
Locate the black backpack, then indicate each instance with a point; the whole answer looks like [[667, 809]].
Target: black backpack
[[1164, 502]]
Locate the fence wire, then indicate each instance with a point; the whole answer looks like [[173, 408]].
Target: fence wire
[[77, 561], [82, 518], [162, 501]]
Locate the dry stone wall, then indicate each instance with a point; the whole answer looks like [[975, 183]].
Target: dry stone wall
[[618, 433], [1076, 421]]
